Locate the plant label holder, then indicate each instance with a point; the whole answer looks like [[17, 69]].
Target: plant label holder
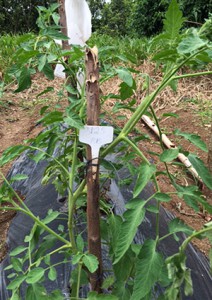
[[95, 137]]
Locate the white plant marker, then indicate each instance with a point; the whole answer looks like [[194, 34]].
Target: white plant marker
[[95, 137]]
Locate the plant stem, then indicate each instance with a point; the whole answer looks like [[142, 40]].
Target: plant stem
[[137, 150], [71, 202], [195, 234], [164, 237], [149, 98], [15, 194], [57, 264], [10, 208], [51, 253], [78, 279], [50, 156], [166, 166], [31, 215], [48, 229], [192, 75]]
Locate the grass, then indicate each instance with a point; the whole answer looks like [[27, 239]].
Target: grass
[[114, 49], [203, 109], [111, 49], [8, 45]]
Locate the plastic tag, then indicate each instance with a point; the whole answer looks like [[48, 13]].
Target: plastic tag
[[96, 137]]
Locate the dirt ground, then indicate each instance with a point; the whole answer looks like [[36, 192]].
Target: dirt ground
[[192, 102]]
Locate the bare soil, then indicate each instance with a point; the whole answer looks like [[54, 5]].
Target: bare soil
[[192, 102]]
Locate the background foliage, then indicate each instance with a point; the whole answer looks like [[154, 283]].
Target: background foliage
[[119, 17]]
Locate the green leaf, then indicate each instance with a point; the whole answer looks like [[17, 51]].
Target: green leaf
[[114, 228], [8, 267], [121, 290], [48, 243], [145, 172], [51, 57], [11, 153], [16, 282], [24, 80], [193, 138], [52, 275], [56, 295], [126, 91], [56, 18], [127, 57], [47, 259], [177, 225], [188, 286], [133, 218], [173, 20], [18, 250], [76, 258], [23, 56], [193, 197], [171, 115], [123, 269], [19, 177], [17, 264], [173, 85], [201, 169], [74, 121], [168, 54], [125, 75], [91, 262], [43, 109], [52, 215], [80, 243], [153, 209], [54, 34], [11, 275], [39, 156], [210, 257], [168, 155], [148, 269], [30, 295], [35, 275], [54, 6], [52, 117], [47, 90], [108, 282], [71, 90], [39, 292], [48, 71], [95, 296], [42, 62], [162, 197], [190, 44]]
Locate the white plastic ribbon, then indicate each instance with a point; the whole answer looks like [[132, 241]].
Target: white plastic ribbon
[[78, 20]]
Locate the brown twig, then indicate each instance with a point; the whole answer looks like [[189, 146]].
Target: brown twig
[[171, 145]]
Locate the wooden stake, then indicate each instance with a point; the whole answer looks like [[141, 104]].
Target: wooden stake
[[93, 214], [63, 23]]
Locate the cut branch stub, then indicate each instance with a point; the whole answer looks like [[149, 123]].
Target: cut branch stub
[[92, 87]]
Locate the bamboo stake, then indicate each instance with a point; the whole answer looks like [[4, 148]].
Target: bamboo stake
[[93, 214], [171, 145]]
